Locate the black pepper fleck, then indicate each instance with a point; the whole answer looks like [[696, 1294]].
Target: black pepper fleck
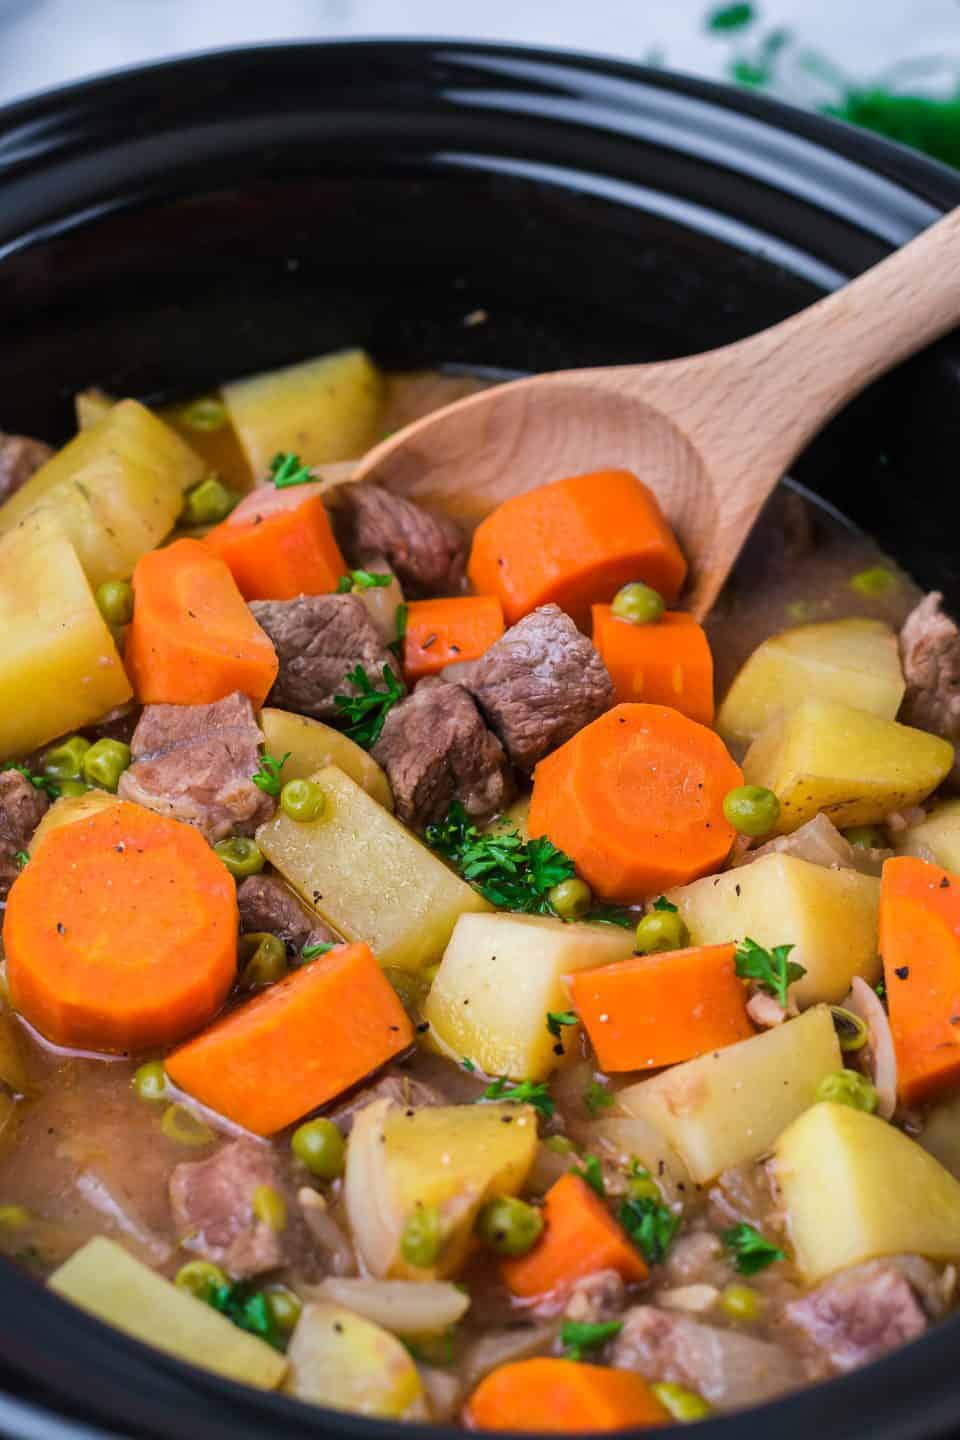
[[902, 971]]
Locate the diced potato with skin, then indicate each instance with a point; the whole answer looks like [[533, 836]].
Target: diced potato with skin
[[368, 876], [854, 1188], [108, 1282], [500, 977], [406, 1307], [852, 766], [323, 409], [59, 667], [854, 661], [625, 1138], [451, 1157], [116, 489], [935, 838], [729, 1107], [940, 1135], [829, 916], [311, 746], [339, 1359], [69, 808]]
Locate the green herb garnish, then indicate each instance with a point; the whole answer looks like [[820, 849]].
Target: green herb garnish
[[466, 1064], [650, 1225], [591, 1171], [524, 1092], [320, 947], [286, 470], [366, 711], [597, 1097], [662, 903], [401, 613], [46, 783], [362, 580], [248, 1309], [22, 858], [512, 873], [730, 17], [576, 1336], [611, 915], [267, 777], [771, 969], [556, 1019], [749, 1250]]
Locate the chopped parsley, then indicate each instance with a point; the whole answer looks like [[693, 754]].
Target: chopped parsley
[[22, 858], [320, 947], [267, 777], [730, 17], [597, 1097], [248, 1309], [286, 470], [577, 1336], [401, 614], [556, 1019], [591, 1172], [510, 872], [466, 1064], [366, 711], [46, 783], [662, 903], [771, 969], [524, 1092], [362, 580], [612, 915], [749, 1250], [650, 1225]]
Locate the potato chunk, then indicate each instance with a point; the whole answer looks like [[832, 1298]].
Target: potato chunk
[[524, 957], [368, 876], [69, 808], [850, 765], [450, 1158], [855, 1188], [311, 746], [339, 1359], [854, 661], [59, 667], [829, 916], [116, 489], [935, 838], [324, 409], [729, 1107]]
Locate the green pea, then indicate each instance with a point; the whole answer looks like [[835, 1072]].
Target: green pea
[[560, 1144], [509, 1226], [638, 603], [751, 809], [14, 1217], [302, 800], [878, 580], [73, 788], [661, 930], [207, 503], [105, 762], [184, 1128], [421, 1238], [319, 1147], [149, 1082], [115, 602], [866, 837], [241, 855], [846, 1087], [741, 1302], [263, 959], [65, 761], [207, 413], [642, 1185], [684, 1405], [269, 1206], [285, 1306], [200, 1278], [571, 899]]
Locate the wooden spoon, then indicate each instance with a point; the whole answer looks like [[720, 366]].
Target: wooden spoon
[[711, 434]]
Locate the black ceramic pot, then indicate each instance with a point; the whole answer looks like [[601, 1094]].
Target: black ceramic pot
[[168, 227]]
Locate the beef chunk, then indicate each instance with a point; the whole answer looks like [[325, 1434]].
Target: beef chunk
[[539, 684], [20, 457], [729, 1369], [267, 905], [595, 1298], [319, 639], [212, 1204], [426, 552], [195, 762], [860, 1314], [22, 807], [436, 748], [930, 652]]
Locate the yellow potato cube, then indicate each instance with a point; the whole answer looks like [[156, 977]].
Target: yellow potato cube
[[311, 746], [855, 1188], [935, 838], [69, 808], [341, 1360]]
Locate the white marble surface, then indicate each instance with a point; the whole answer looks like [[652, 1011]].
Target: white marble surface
[[45, 42]]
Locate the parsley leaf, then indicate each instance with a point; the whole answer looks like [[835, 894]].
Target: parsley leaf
[[597, 1097], [362, 580], [286, 470], [511, 873], [22, 858], [612, 915], [46, 783], [467, 1064], [731, 17], [248, 1309], [267, 777], [749, 1250], [524, 1092], [650, 1225], [366, 711], [662, 903], [311, 952], [556, 1019], [548, 865], [592, 1172], [401, 613], [771, 969], [577, 1336]]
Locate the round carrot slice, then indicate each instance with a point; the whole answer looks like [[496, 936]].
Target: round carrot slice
[[121, 932]]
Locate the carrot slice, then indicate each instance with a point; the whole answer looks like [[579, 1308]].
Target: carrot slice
[[442, 632], [192, 639], [920, 945], [298, 1044], [575, 543], [668, 663], [636, 800], [579, 1236], [655, 1010], [567, 1396], [121, 933], [279, 543]]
